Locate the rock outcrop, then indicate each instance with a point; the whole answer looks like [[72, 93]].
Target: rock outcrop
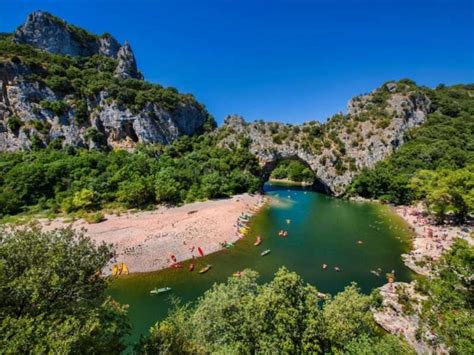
[[47, 32], [336, 151], [85, 103], [127, 65]]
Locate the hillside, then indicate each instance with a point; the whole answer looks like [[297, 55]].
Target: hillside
[[338, 149], [436, 163], [61, 85]]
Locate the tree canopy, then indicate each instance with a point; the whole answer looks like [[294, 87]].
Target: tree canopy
[[52, 295], [285, 316]]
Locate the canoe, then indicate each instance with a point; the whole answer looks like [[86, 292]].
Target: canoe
[[115, 270], [200, 251], [228, 245], [258, 242], [265, 252], [205, 269], [160, 290]]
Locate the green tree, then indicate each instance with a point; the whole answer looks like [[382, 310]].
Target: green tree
[[52, 296], [347, 316], [136, 193], [446, 190], [167, 186], [448, 308]]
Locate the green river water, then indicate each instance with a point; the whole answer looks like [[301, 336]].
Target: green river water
[[322, 230]]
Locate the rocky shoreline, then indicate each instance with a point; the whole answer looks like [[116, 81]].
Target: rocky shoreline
[[431, 240], [429, 244]]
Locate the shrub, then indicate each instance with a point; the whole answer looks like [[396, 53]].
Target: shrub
[[14, 123]]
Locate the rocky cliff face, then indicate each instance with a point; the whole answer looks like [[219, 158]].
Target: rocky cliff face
[[336, 151], [47, 32], [83, 101]]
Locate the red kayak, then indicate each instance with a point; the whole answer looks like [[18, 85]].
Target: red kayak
[[191, 267], [173, 257], [200, 251]]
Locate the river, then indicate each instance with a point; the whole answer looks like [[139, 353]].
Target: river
[[353, 236]]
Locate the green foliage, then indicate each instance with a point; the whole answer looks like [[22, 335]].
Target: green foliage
[[58, 107], [448, 310], [293, 170], [72, 180], [136, 193], [41, 126], [444, 141], [283, 316], [14, 123], [94, 217], [81, 112], [52, 298], [446, 191]]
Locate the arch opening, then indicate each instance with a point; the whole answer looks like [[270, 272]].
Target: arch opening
[[294, 169]]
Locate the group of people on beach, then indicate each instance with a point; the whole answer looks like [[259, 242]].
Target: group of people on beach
[[431, 239]]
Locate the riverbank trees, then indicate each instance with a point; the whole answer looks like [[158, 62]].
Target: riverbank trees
[[77, 180], [284, 315], [52, 295]]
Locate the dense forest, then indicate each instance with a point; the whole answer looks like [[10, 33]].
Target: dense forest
[[52, 299], [437, 162], [81, 181]]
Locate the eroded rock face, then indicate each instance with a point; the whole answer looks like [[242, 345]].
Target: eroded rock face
[[45, 31], [350, 142], [49, 33], [110, 124], [27, 122]]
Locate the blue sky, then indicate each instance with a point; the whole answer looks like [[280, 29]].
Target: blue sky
[[282, 60]]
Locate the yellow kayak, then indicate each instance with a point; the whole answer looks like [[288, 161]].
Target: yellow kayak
[[120, 269], [124, 269]]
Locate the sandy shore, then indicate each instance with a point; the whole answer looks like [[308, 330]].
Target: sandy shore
[[431, 240], [147, 241]]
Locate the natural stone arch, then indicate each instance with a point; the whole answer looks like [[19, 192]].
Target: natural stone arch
[[269, 165], [339, 149]]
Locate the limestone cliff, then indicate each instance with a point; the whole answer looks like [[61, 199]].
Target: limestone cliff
[[337, 150], [62, 85]]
